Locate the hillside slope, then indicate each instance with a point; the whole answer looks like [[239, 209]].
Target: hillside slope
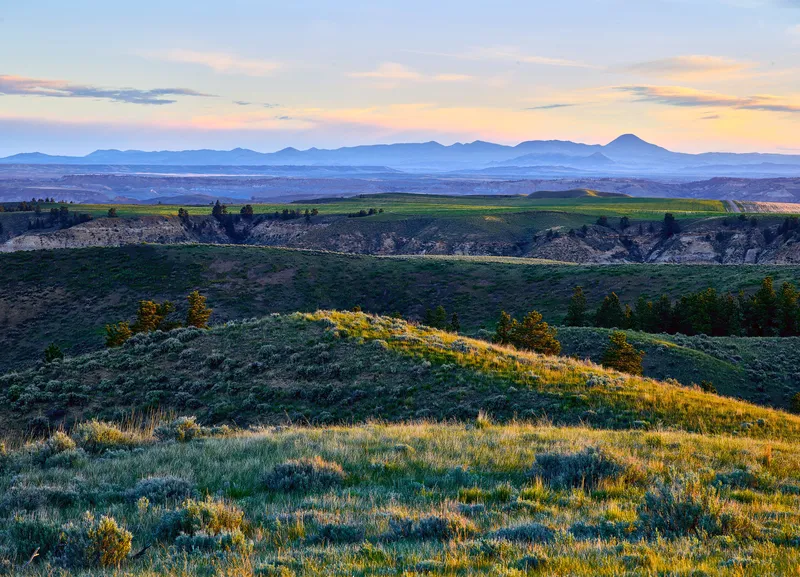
[[760, 370], [67, 296], [341, 367]]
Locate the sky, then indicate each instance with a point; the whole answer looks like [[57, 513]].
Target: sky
[[690, 75]]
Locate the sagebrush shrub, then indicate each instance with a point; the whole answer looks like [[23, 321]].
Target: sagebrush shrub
[[93, 543], [109, 544], [304, 475], [97, 436], [582, 469], [334, 533], [208, 516], [227, 541], [182, 429], [162, 489], [530, 533], [26, 534], [32, 498], [686, 507], [58, 442], [443, 527]]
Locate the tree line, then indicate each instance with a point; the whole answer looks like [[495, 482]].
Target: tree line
[[152, 316], [766, 313]]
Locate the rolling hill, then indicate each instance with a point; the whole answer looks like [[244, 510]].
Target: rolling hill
[[333, 367]]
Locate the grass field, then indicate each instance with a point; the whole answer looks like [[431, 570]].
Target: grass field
[[416, 499], [67, 297], [403, 205], [481, 494]]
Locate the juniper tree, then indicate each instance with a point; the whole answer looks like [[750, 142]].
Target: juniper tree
[[610, 314], [788, 310], [455, 323], [198, 313], [622, 356], [117, 334], [505, 326], [534, 334], [52, 352], [576, 312]]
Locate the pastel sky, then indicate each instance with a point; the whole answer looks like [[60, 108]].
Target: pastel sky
[[691, 75]]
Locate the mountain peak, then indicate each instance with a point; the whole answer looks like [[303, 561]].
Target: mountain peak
[[628, 140]]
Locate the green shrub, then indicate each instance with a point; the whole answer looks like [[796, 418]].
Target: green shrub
[[109, 544], [208, 516], [162, 489], [530, 533], [444, 527], [26, 534], [93, 543], [227, 541], [32, 498], [584, 469], [687, 507], [182, 429], [333, 534], [304, 475], [57, 443], [97, 436]]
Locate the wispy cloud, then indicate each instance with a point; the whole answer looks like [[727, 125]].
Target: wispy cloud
[[690, 97], [553, 106], [394, 72], [219, 62], [18, 85], [507, 54], [711, 117], [693, 65]]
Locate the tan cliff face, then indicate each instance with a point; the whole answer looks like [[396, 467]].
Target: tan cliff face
[[701, 242]]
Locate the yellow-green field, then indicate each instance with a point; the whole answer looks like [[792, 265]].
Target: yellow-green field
[[400, 205]]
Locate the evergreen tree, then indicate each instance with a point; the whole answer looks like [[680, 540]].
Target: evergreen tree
[[624, 222], [534, 334], [117, 334], [662, 311], [610, 314], [576, 312], [643, 316], [622, 356], [435, 318], [504, 330], [151, 316], [112, 212], [247, 211], [52, 352], [788, 310], [455, 323], [629, 319], [219, 210], [198, 313], [765, 308], [439, 317], [670, 226]]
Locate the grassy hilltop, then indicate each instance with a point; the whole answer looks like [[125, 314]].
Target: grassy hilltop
[[473, 497], [67, 297], [332, 367]]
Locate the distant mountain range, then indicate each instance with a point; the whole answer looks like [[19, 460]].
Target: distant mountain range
[[626, 155]]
